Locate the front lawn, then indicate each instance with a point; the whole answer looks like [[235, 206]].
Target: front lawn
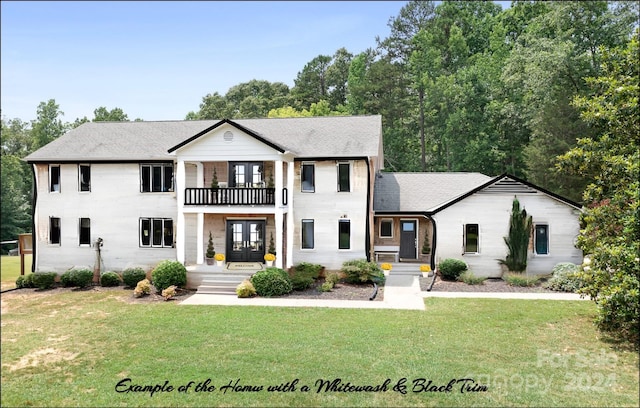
[[10, 269], [74, 348]]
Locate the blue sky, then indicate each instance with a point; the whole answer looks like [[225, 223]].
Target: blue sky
[[156, 60]]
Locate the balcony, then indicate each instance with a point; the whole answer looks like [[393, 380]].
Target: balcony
[[231, 196]]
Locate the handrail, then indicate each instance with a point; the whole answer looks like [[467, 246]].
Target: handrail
[[229, 196]]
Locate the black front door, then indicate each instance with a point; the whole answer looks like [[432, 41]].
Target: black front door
[[245, 240], [246, 174], [408, 242]]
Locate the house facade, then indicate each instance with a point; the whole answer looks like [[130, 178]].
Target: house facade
[[130, 194]]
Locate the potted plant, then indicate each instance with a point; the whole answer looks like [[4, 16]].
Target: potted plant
[[214, 186], [386, 268], [211, 253], [219, 259], [426, 248], [269, 258], [426, 270]]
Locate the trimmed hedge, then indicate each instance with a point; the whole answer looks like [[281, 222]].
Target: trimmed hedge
[[169, 273], [25, 281], [450, 269], [44, 280], [271, 282], [77, 277], [132, 276], [109, 279]]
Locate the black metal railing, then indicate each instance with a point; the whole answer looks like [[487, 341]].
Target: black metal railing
[[230, 196]]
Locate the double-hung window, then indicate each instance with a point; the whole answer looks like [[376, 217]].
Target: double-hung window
[[84, 177], [344, 234], [156, 177], [344, 170], [156, 232], [541, 239], [307, 177], [54, 230], [307, 234], [85, 231], [471, 239], [54, 178]]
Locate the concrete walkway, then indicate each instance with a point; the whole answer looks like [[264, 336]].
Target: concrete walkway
[[400, 292]]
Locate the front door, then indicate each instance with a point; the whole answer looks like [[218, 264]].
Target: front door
[[245, 240], [408, 241]]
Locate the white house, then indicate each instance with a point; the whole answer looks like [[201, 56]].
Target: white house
[[311, 186], [466, 216]]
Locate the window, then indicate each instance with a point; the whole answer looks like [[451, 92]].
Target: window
[[84, 177], [54, 230], [471, 238], [54, 179], [386, 228], [343, 177], [307, 178], [541, 239], [85, 231], [156, 177], [344, 234], [156, 232], [307, 234]]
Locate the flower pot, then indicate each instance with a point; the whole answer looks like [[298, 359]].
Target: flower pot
[[386, 272], [426, 274], [269, 263], [220, 263], [209, 261]]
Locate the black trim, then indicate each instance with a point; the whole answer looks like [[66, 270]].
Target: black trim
[[434, 242], [34, 201], [159, 161], [234, 124], [367, 230], [495, 180]]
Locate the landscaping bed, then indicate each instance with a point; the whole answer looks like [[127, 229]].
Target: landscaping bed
[[342, 291], [489, 285]]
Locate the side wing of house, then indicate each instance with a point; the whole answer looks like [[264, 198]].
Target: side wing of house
[[473, 228]]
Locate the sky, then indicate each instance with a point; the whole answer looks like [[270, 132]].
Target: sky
[[157, 60]]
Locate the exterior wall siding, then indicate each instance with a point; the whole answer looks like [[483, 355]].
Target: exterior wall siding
[[114, 205], [492, 212]]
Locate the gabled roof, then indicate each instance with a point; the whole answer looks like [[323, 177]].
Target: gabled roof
[[430, 193], [421, 192], [328, 136]]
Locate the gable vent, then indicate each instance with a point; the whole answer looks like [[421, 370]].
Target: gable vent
[[509, 186], [228, 136]]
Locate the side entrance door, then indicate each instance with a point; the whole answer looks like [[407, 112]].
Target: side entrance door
[[408, 241], [245, 240]]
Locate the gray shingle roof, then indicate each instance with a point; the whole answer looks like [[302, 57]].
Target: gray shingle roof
[[329, 136], [408, 192]]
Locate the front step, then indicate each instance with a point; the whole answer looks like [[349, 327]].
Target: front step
[[223, 282]]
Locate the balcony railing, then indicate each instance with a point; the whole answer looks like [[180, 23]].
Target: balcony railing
[[230, 196]]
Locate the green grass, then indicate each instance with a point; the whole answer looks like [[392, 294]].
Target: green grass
[[71, 349], [10, 269]]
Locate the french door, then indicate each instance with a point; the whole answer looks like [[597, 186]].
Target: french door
[[245, 240], [246, 174]]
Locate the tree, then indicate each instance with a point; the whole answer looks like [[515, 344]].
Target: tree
[[311, 83], [101, 114], [610, 160], [47, 126], [517, 241]]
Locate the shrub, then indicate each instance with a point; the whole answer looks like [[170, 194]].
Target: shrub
[[20, 282], [301, 282], [142, 288], [132, 276], [565, 278], [76, 277], [516, 279], [245, 289], [169, 273], [44, 280], [361, 271], [326, 286], [470, 279], [308, 269], [333, 278], [25, 281], [451, 268], [109, 279], [271, 282], [169, 292]]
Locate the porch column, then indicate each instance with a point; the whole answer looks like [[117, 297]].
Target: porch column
[[278, 211], [180, 234], [200, 239], [199, 175], [290, 221]]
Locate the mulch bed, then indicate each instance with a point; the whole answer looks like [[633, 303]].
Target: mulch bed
[[342, 291], [489, 285]]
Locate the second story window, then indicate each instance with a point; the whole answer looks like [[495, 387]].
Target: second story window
[[156, 177], [84, 177], [343, 177], [54, 179], [307, 177]]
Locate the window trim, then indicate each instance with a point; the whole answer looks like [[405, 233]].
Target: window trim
[[80, 243], [347, 222], [51, 189], [150, 182], [380, 228], [535, 238], [339, 184], [313, 177], [51, 231], [303, 235], [465, 237], [80, 184], [152, 221]]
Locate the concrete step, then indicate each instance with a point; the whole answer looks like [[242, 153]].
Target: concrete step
[[216, 290]]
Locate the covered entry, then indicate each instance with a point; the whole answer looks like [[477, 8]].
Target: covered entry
[[245, 240]]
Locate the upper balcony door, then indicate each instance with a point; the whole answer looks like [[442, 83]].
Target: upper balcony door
[[246, 174]]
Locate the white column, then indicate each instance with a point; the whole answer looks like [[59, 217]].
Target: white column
[[290, 220], [199, 175], [278, 211], [180, 185], [200, 239]]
